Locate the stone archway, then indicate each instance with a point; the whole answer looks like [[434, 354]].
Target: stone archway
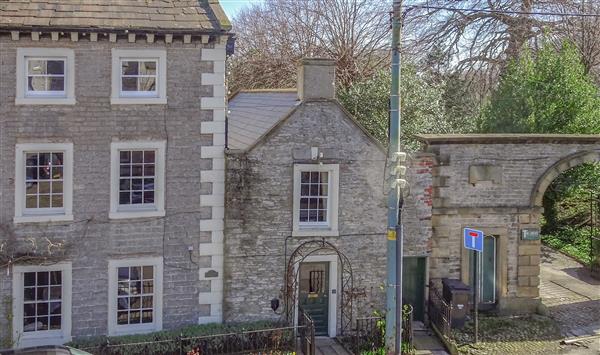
[[302, 253], [558, 168]]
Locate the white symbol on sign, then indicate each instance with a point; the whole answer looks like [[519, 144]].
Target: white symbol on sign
[[473, 236]]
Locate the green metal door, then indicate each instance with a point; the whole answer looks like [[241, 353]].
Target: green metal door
[[314, 294], [487, 264], [413, 285]]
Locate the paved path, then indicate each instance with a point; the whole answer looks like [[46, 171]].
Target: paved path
[[328, 346], [571, 296]]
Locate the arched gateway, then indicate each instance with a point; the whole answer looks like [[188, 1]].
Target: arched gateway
[[312, 269], [496, 183]]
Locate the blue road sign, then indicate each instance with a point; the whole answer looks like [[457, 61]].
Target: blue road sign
[[473, 239]]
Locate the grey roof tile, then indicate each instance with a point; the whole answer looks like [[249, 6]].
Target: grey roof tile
[[184, 15], [252, 114]]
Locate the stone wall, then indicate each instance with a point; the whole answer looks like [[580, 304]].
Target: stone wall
[[190, 127], [495, 185], [259, 197]]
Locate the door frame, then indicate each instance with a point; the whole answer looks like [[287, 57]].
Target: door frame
[[333, 286]]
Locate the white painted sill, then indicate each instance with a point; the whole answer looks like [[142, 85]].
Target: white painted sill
[[315, 232], [136, 214], [45, 101], [47, 338], [43, 218], [138, 100], [119, 330]]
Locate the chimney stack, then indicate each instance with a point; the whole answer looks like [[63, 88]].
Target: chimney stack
[[316, 79]]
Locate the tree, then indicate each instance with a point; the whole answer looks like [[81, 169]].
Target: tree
[[545, 92], [422, 105], [273, 35]]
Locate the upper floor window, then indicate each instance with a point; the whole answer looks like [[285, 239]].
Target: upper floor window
[[137, 183], [44, 182], [139, 76], [45, 76], [315, 199], [42, 304]]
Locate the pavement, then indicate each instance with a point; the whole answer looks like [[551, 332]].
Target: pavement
[[328, 346], [572, 298]]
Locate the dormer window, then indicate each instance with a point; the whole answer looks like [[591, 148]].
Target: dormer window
[[139, 76], [45, 76]]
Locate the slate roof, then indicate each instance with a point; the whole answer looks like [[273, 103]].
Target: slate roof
[[253, 113], [173, 16]]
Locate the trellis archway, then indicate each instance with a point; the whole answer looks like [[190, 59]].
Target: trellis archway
[[300, 254]]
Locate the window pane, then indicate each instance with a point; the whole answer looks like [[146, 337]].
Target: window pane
[[43, 173], [135, 273], [122, 317], [57, 172], [135, 302], [147, 84], [148, 287], [125, 184], [314, 190], [314, 177], [147, 302], [125, 157], [44, 187], [55, 277], [123, 288], [136, 184], [44, 201], [56, 84], [312, 216], [29, 309], [130, 67], [125, 170], [55, 322], [134, 317], [56, 201], [36, 83], [304, 189], [322, 216], [42, 309], [57, 187], [123, 303], [137, 170], [148, 169], [44, 159], [129, 84], [56, 67], [124, 198], [304, 203], [324, 177], [305, 177], [36, 66], [304, 216], [149, 197], [123, 273], [55, 308], [137, 156], [57, 158], [42, 278], [29, 279], [31, 159], [313, 203], [136, 197], [148, 68], [29, 324], [31, 202], [147, 316], [149, 156], [148, 272], [323, 190], [42, 323]]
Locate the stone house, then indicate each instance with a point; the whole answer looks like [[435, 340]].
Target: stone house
[[305, 222], [112, 128]]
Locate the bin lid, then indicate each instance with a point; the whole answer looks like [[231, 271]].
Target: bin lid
[[455, 284]]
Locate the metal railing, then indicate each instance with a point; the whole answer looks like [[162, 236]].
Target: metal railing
[[306, 331], [440, 312], [369, 334], [265, 341]]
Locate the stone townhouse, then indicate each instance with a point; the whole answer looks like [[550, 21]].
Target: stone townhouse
[[306, 209], [112, 128]]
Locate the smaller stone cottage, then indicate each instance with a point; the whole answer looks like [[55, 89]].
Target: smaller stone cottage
[[306, 211]]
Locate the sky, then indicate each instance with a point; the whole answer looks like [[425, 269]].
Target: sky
[[232, 7]]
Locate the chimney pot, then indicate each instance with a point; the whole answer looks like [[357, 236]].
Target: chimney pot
[[316, 79]]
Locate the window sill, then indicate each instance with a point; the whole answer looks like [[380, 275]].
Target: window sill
[[30, 339], [133, 329], [138, 100], [315, 232], [136, 214], [43, 218], [45, 101]]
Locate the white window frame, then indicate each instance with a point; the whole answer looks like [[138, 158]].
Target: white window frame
[[24, 215], [319, 228], [22, 96], [46, 337], [118, 55], [156, 325], [158, 208]]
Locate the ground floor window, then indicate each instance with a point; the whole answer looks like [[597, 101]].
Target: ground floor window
[[135, 295], [42, 304]]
